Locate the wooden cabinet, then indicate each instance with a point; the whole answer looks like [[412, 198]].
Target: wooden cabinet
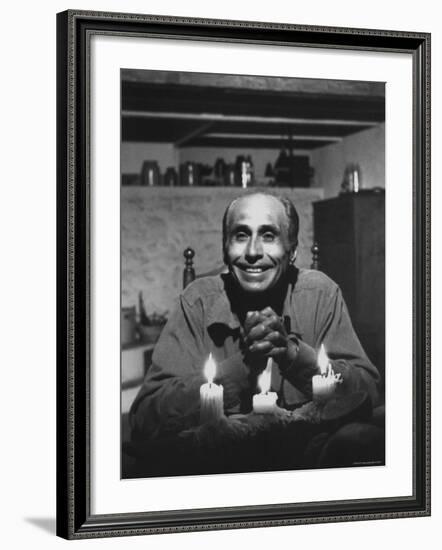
[[350, 233]]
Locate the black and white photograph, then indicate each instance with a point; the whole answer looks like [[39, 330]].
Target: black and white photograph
[[243, 275], [252, 273], [221, 266]]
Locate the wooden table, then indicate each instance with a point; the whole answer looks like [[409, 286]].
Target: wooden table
[[309, 437]]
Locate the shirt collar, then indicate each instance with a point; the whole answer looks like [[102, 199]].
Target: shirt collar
[[221, 311]]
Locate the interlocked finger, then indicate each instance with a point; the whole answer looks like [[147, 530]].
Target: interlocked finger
[[276, 352], [252, 319], [276, 338], [263, 346], [259, 331], [276, 323]]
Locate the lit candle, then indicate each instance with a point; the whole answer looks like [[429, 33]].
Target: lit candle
[[211, 395], [324, 384], [356, 182], [265, 402]]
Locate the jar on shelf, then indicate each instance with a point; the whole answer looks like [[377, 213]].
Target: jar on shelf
[[189, 174], [150, 173], [229, 175], [352, 181], [171, 177]]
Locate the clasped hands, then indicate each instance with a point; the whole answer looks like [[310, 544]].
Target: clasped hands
[[265, 336]]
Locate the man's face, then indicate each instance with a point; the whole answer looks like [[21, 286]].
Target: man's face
[[258, 250]]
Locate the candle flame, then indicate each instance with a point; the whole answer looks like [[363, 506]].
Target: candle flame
[[210, 369], [264, 380], [323, 360]]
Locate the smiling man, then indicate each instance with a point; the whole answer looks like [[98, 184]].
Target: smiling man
[[260, 242], [263, 307]]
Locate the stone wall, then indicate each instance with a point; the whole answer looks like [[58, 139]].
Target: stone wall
[[159, 223]]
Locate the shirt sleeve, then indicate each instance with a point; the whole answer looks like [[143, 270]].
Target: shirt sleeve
[[346, 353], [169, 399], [335, 331]]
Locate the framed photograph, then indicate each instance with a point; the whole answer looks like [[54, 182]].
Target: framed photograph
[[243, 274]]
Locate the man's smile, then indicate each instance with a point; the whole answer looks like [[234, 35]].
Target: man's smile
[[254, 269]]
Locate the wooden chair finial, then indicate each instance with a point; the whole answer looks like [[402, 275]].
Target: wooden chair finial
[[189, 271], [315, 256]]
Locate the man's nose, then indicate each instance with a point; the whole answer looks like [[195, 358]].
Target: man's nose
[[254, 250]]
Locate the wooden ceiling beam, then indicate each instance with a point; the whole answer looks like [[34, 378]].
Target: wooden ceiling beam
[[277, 84], [246, 118], [297, 145], [225, 135], [194, 133]]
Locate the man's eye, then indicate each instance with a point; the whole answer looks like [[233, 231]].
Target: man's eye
[[240, 236], [268, 237]]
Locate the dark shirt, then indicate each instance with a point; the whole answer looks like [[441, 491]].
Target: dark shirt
[[205, 322]]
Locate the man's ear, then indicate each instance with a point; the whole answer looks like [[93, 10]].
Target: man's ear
[[293, 256]]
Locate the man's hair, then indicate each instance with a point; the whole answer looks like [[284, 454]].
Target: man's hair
[[289, 209]]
